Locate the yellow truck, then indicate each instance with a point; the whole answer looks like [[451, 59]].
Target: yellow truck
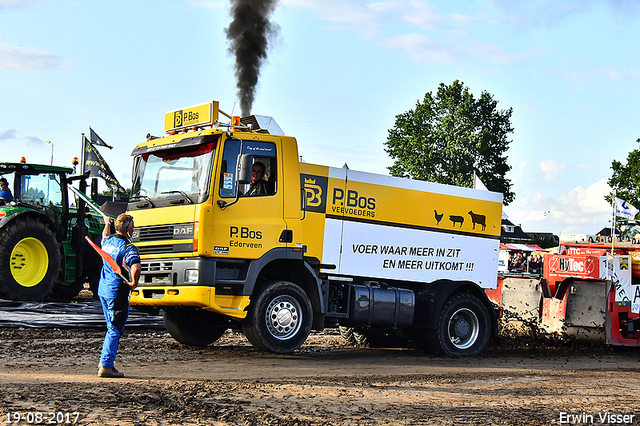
[[393, 259]]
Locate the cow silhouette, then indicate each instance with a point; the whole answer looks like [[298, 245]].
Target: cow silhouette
[[479, 219], [455, 219], [438, 216]]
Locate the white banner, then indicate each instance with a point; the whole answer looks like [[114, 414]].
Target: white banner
[[387, 252], [624, 209]]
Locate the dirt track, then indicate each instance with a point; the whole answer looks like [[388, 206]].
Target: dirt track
[[325, 382]]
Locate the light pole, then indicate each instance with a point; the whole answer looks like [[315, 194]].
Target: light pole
[[48, 141]]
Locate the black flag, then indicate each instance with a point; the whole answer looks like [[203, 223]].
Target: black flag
[[97, 140], [95, 164]]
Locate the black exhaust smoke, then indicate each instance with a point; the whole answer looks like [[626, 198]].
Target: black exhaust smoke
[[249, 34]]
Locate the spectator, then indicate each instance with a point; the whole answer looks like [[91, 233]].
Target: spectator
[[5, 192]]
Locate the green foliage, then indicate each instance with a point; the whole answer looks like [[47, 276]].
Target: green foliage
[[125, 194], [450, 135], [625, 180]]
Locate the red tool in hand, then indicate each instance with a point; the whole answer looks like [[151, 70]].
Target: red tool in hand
[[107, 257]]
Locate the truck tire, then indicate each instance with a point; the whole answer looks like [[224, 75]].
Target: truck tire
[[464, 328], [29, 260], [194, 327], [280, 318]]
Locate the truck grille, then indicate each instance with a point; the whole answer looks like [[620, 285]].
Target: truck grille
[[176, 231], [166, 248], [155, 233], [156, 266]]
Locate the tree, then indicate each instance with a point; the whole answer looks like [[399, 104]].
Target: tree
[[625, 181], [449, 136], [109, 192]]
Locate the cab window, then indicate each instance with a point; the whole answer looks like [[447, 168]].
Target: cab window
[[264, 154], [41, 190]]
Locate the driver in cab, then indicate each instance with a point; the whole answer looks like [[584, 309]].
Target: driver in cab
[[258, 184], [5, 192]]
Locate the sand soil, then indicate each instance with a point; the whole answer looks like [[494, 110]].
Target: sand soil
[[48, 376]]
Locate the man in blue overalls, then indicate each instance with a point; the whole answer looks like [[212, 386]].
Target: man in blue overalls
[[114, 291]]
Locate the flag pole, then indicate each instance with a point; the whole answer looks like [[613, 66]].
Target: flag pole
[[84, 148], [613, 221]]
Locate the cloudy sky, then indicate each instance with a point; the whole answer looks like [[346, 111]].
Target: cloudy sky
[[337, 74]]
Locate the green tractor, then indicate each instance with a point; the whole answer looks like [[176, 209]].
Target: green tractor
[[43, 251]]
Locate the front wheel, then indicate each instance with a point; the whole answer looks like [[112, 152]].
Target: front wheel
[[280, 318], [464, 328]]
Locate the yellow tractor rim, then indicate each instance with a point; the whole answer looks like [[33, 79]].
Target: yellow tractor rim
[[29, 262]]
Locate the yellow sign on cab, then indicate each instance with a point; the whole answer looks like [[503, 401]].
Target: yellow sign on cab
[[194, 116]]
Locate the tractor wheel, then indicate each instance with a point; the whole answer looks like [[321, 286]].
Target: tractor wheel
[[280, 318], [65, 291], [368, 338], [92, 267], [351, 335], [195, 327], [29, 260], [465, 326], [94, 279]]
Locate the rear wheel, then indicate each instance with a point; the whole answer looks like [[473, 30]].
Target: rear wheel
[[65, 291], [29, 260], [465, 326], [195, 327], [280, 318], [91, 264]]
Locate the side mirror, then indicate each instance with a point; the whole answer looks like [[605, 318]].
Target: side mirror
[[245, 166]]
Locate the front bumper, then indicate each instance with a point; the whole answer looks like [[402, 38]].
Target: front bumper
[[193, 296]]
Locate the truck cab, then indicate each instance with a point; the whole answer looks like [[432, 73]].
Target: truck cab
[[205, 245]]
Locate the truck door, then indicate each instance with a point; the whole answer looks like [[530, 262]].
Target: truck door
[[253, 225]]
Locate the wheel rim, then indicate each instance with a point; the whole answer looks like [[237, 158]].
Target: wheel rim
[[29, 262], [283, 317], [463, 328]]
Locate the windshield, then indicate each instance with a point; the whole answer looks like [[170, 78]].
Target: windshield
[[177, 176], [42, 190]]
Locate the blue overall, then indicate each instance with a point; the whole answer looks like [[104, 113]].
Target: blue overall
[[6, 195], [114, 294]]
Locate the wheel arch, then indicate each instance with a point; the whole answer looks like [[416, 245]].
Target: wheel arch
[[300, 273], [30, 213], [431, 299]]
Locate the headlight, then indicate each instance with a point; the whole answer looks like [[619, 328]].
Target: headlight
[[191, 276]]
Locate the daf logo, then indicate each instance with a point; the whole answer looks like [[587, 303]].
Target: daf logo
[[182, 231]]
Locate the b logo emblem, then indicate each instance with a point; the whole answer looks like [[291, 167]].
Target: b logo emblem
[[315, 189], [177, 118], [313, 193]]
